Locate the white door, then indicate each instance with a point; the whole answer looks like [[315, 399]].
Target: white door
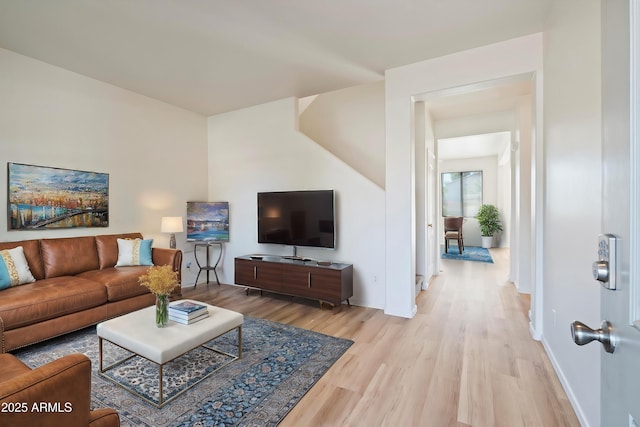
[[432, 207], [620, 371]]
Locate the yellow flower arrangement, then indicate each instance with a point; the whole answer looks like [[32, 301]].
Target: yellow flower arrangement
[[160, 279]]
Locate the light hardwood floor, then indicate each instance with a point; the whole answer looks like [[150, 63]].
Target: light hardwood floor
[[465, 359]]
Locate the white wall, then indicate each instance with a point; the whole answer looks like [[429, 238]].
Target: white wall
[[350, 124], [504, 198], [259, 149], [572, 115], [427, 249], [477, 124], [523, 276], [489, 167], [500, 60], [154, 153]]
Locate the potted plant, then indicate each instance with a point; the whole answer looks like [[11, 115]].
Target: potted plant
[[489, 219]]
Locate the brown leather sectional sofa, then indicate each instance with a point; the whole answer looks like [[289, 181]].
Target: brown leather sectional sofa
[[77, 285]]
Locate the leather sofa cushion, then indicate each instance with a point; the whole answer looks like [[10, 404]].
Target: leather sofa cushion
[[31, 253], [107, 245], [49, 298], [120, 282], [69, 256]]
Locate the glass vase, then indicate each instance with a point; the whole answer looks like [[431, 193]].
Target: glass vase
[[162, 310]]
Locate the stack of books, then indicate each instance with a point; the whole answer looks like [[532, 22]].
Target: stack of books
[[187, 312]]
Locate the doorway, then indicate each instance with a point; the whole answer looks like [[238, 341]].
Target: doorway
[[489, 127], [452, 74]]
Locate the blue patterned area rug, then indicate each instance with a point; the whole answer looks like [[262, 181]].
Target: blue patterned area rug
[[470, 253], [279, 364]]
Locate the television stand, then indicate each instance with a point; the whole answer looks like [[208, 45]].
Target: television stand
[[332, 283], [207, 267]]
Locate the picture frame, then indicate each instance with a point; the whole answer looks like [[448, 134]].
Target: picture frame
[[208, 221], [43, 197]]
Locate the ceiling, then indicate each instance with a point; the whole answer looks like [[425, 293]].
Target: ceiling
[[466, 147], [486, 97], [213, 56]]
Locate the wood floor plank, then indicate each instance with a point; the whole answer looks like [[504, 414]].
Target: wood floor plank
[[465, 359], [475, 381]]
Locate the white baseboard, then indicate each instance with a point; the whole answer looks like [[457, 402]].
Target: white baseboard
[[566, 386], [534, 334]]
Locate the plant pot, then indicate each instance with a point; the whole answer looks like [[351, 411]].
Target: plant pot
[[487, 241]]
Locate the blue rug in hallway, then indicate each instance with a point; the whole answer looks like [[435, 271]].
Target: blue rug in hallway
[[470, 253]]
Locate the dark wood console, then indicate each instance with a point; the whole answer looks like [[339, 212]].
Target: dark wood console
[[301, 277]]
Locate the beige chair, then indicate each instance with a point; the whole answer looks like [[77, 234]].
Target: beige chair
[[453, 231]]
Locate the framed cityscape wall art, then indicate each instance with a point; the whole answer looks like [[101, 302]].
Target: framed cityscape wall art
[[208, 221], [41, 197]]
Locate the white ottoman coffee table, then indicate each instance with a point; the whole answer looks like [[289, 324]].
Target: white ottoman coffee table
[[137, 332]]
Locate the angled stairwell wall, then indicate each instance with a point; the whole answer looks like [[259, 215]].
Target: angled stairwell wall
[[349, 123]]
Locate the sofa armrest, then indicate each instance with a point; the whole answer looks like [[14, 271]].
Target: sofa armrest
[[104, 418], [55, 394], [172, 257], [3, 348]]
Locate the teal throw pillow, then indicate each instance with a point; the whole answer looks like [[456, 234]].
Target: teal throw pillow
[[134, 252], [14, 269]]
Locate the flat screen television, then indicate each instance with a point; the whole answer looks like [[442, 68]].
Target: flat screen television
[[208, 221], [298, 218]]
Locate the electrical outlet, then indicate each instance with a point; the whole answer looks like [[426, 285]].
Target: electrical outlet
[[555, 317]]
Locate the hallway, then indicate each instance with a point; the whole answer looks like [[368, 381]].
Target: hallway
[[501, 376], [465, 359]]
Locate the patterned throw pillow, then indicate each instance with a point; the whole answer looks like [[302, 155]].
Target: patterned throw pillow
[[134, 252], [14, 269]]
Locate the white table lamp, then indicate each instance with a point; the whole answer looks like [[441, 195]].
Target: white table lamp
[[173, 225]]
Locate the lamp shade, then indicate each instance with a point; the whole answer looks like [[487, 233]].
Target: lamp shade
[[171, 224]]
